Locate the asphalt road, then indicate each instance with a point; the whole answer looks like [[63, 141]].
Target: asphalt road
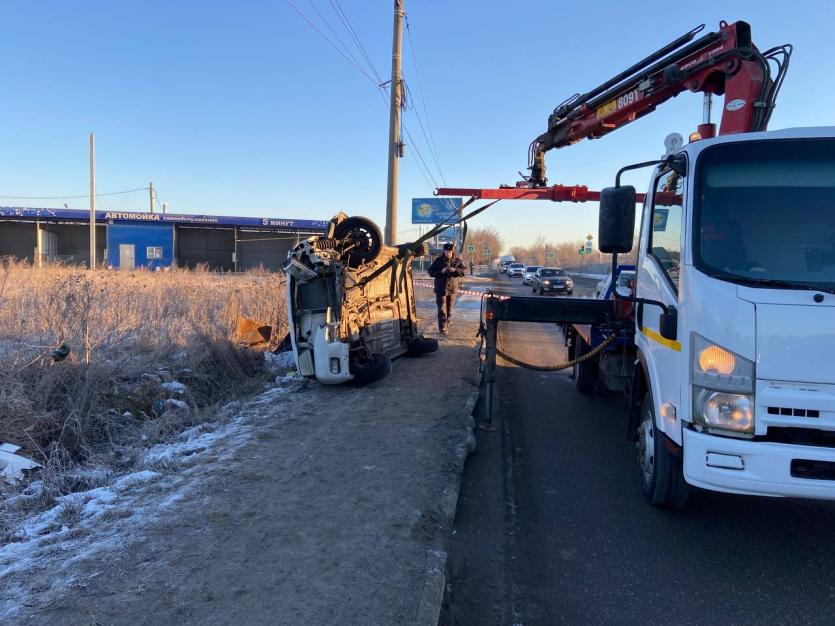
[[552, 528]]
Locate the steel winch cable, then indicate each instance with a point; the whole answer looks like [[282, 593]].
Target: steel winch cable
[[554, 368]]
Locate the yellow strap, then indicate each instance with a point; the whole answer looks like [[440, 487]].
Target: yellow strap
[[669, 343]]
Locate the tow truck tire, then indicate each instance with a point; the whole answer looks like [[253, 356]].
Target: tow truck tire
[[422, 345], [367, 372], [585, 373], [662, 476]]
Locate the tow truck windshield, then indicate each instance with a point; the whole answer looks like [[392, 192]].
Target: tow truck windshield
[[765, 213]]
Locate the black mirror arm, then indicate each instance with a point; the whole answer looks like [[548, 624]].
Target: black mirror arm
[[635, 166], [663, 306]]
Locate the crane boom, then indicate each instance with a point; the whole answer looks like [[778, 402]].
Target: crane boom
[[722, 62]]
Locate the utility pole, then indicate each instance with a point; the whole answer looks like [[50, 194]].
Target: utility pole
[[395, 146], [92, 201], [151, 194]]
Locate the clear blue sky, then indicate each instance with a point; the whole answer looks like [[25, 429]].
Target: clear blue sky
[[241, 108]]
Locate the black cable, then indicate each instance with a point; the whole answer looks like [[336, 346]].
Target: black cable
[[86, 195], [333, 32], [432, 146]]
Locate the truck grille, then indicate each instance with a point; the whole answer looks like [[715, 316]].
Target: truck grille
[[779, 410]]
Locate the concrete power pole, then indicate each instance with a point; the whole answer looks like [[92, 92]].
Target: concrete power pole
[[92, 201], [151, 194], [395, 146]]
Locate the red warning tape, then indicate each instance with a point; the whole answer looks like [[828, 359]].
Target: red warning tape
[[466, 292]]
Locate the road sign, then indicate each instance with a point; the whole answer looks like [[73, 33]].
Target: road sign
[[581, 251], [434, 210], [588, 249], [471, 248], [551, 255], [486, 252]]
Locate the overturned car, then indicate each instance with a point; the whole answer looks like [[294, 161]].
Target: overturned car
[[351, 304]]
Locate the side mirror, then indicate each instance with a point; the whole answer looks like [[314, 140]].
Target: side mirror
[[668, 324], [678, 163], [617, 219]]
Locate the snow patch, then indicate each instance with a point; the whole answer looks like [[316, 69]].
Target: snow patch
[[174, 387]]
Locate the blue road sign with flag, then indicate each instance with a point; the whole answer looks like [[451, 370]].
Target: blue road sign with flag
[[434, 210]]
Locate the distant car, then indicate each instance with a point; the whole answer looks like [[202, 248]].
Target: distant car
[[530, 270], [516, 269], [552, 280], [624, 278], [503, 267]]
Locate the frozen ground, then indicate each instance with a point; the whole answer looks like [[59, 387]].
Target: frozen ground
[[307, 504]]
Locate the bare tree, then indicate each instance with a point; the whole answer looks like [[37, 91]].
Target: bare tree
[[486, 238]]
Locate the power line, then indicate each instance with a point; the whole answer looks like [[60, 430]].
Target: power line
[[426, 137], [326, 38], [333, 32], [421, 163], [86, 195], [432, 145], [347, 23]]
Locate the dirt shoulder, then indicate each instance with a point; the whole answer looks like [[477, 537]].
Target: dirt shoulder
[[336, 510]]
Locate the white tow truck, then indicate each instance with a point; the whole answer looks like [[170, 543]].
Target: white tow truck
[[725, 348], [733, 387]]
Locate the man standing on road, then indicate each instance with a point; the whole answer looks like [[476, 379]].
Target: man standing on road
[[446, 270]]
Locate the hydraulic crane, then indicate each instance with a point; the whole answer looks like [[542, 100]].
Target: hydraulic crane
[[724, 62]]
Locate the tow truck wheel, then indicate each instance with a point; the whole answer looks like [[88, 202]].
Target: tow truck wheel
[[662, 477], [585, 373]]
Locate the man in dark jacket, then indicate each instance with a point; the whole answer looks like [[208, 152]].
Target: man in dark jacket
[[447, 269]]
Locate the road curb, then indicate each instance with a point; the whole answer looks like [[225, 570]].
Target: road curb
[[434, 587]]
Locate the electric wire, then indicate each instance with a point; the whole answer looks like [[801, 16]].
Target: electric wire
[[425, 136], [86, 195], [326, 38], [432, 146], [421, 162], [347, 23], [333, 32]]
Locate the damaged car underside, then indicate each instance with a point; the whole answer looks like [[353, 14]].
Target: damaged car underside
[[351, 305]]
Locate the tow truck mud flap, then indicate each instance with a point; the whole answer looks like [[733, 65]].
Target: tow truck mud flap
[[526, 309]]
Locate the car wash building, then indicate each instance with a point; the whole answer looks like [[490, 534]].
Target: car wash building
[[128, 240]]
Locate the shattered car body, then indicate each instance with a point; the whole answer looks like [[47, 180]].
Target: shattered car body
[[351, 305]]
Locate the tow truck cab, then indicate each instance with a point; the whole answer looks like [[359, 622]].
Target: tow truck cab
[[742, 399]]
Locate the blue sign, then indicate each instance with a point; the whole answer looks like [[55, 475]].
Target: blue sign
[[434, 210], [659, 219], [165, 218]]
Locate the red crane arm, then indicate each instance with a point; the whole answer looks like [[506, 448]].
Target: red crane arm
[[722, 62]]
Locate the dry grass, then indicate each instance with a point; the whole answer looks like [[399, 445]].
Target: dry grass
[[129, 332]]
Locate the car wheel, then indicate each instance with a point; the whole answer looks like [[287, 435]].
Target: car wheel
[[569, 293], [365, 236], [422, 345], [585, 373], [370, 371], [541, 293], [662, 476]]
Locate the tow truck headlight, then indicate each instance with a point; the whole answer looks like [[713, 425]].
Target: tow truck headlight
[[724, 411], [723, 388]]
